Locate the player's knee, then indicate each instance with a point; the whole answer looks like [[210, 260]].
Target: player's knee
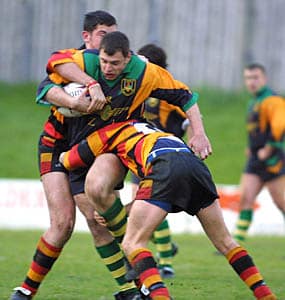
[[96, 189], [63, 226]]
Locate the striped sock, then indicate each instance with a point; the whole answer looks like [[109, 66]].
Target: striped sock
[[248, 272], [243, 223], [145, 266], [116, 218], [114, 260], [162, 240], [43, 260]]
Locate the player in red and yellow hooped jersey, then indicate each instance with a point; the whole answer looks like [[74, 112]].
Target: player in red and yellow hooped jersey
[[173, 179], [266, 157]]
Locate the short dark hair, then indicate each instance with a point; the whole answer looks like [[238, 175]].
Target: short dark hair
[[115, 41], [253, 66], [154, 54], [98, 17]]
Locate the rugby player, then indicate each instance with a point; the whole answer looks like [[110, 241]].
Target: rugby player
[[61, 196], [265, 153]]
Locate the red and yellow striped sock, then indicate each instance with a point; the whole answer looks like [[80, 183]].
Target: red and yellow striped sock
[[145, 267], [248, 272], [44, 258]]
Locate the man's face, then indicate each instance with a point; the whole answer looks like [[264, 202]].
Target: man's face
[[113, 65], [93, 39], [254, 80]]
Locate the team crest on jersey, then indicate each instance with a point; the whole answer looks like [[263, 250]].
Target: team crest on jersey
[[128, 86]]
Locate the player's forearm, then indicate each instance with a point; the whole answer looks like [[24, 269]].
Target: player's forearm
[[73, 73], [59, 97], [194, 116]]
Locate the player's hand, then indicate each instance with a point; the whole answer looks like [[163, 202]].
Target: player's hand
[[61, 157], [264, 152], [200, 145], [98, 99], [81, 103], [99, 219]]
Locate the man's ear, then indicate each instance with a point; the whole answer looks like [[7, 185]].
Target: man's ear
[[85, 36], [129, 56]]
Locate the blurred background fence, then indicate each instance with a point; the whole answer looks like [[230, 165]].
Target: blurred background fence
[[208, 42]]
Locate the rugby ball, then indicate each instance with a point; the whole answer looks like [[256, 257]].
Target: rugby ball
[[73, 89]]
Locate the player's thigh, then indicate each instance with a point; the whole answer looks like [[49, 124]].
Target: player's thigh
[[143, 220], [276, 188], [58, 195], [106, 172], [213, 223], [250, 186]]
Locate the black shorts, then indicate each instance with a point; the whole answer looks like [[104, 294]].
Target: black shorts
[[269, 169], [134, 178], [49, 150], [181, 180]]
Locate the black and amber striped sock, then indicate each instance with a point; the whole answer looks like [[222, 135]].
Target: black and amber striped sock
[[243, 223], [248, 272], [114, 260], [145, 267], [162, 240], [44, 258], [116, 218]]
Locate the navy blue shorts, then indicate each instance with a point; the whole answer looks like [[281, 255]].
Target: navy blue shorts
[[180, 181], [267, 170]]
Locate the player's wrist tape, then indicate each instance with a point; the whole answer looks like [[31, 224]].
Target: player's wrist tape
[[91, 84]]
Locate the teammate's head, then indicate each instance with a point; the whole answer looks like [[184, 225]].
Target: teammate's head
[[254, 77], [96, 25], [154, 54], [114, 53]]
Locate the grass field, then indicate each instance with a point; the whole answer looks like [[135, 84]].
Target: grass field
[[80, 275], [22, 121]]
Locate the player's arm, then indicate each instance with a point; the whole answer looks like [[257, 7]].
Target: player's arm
[[50, 93], [70, 68], [80, 155], [177, 93], [272, 112]]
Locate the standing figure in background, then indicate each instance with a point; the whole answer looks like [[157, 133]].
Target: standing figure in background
[[265, 153]]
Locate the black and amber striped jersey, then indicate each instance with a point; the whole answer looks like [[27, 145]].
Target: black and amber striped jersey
[[266, 120], [126, 94], [165, 116]]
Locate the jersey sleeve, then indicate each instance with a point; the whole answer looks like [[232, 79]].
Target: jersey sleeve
[[42, 90], [76, 56], [80, 155], [60, 57], [272, 115], [165, 87]]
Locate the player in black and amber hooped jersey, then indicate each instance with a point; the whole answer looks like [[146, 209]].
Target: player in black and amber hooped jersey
[[265, 153]]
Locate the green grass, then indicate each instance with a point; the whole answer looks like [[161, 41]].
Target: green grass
[[21, 124], [79, 273], [22, 121]]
